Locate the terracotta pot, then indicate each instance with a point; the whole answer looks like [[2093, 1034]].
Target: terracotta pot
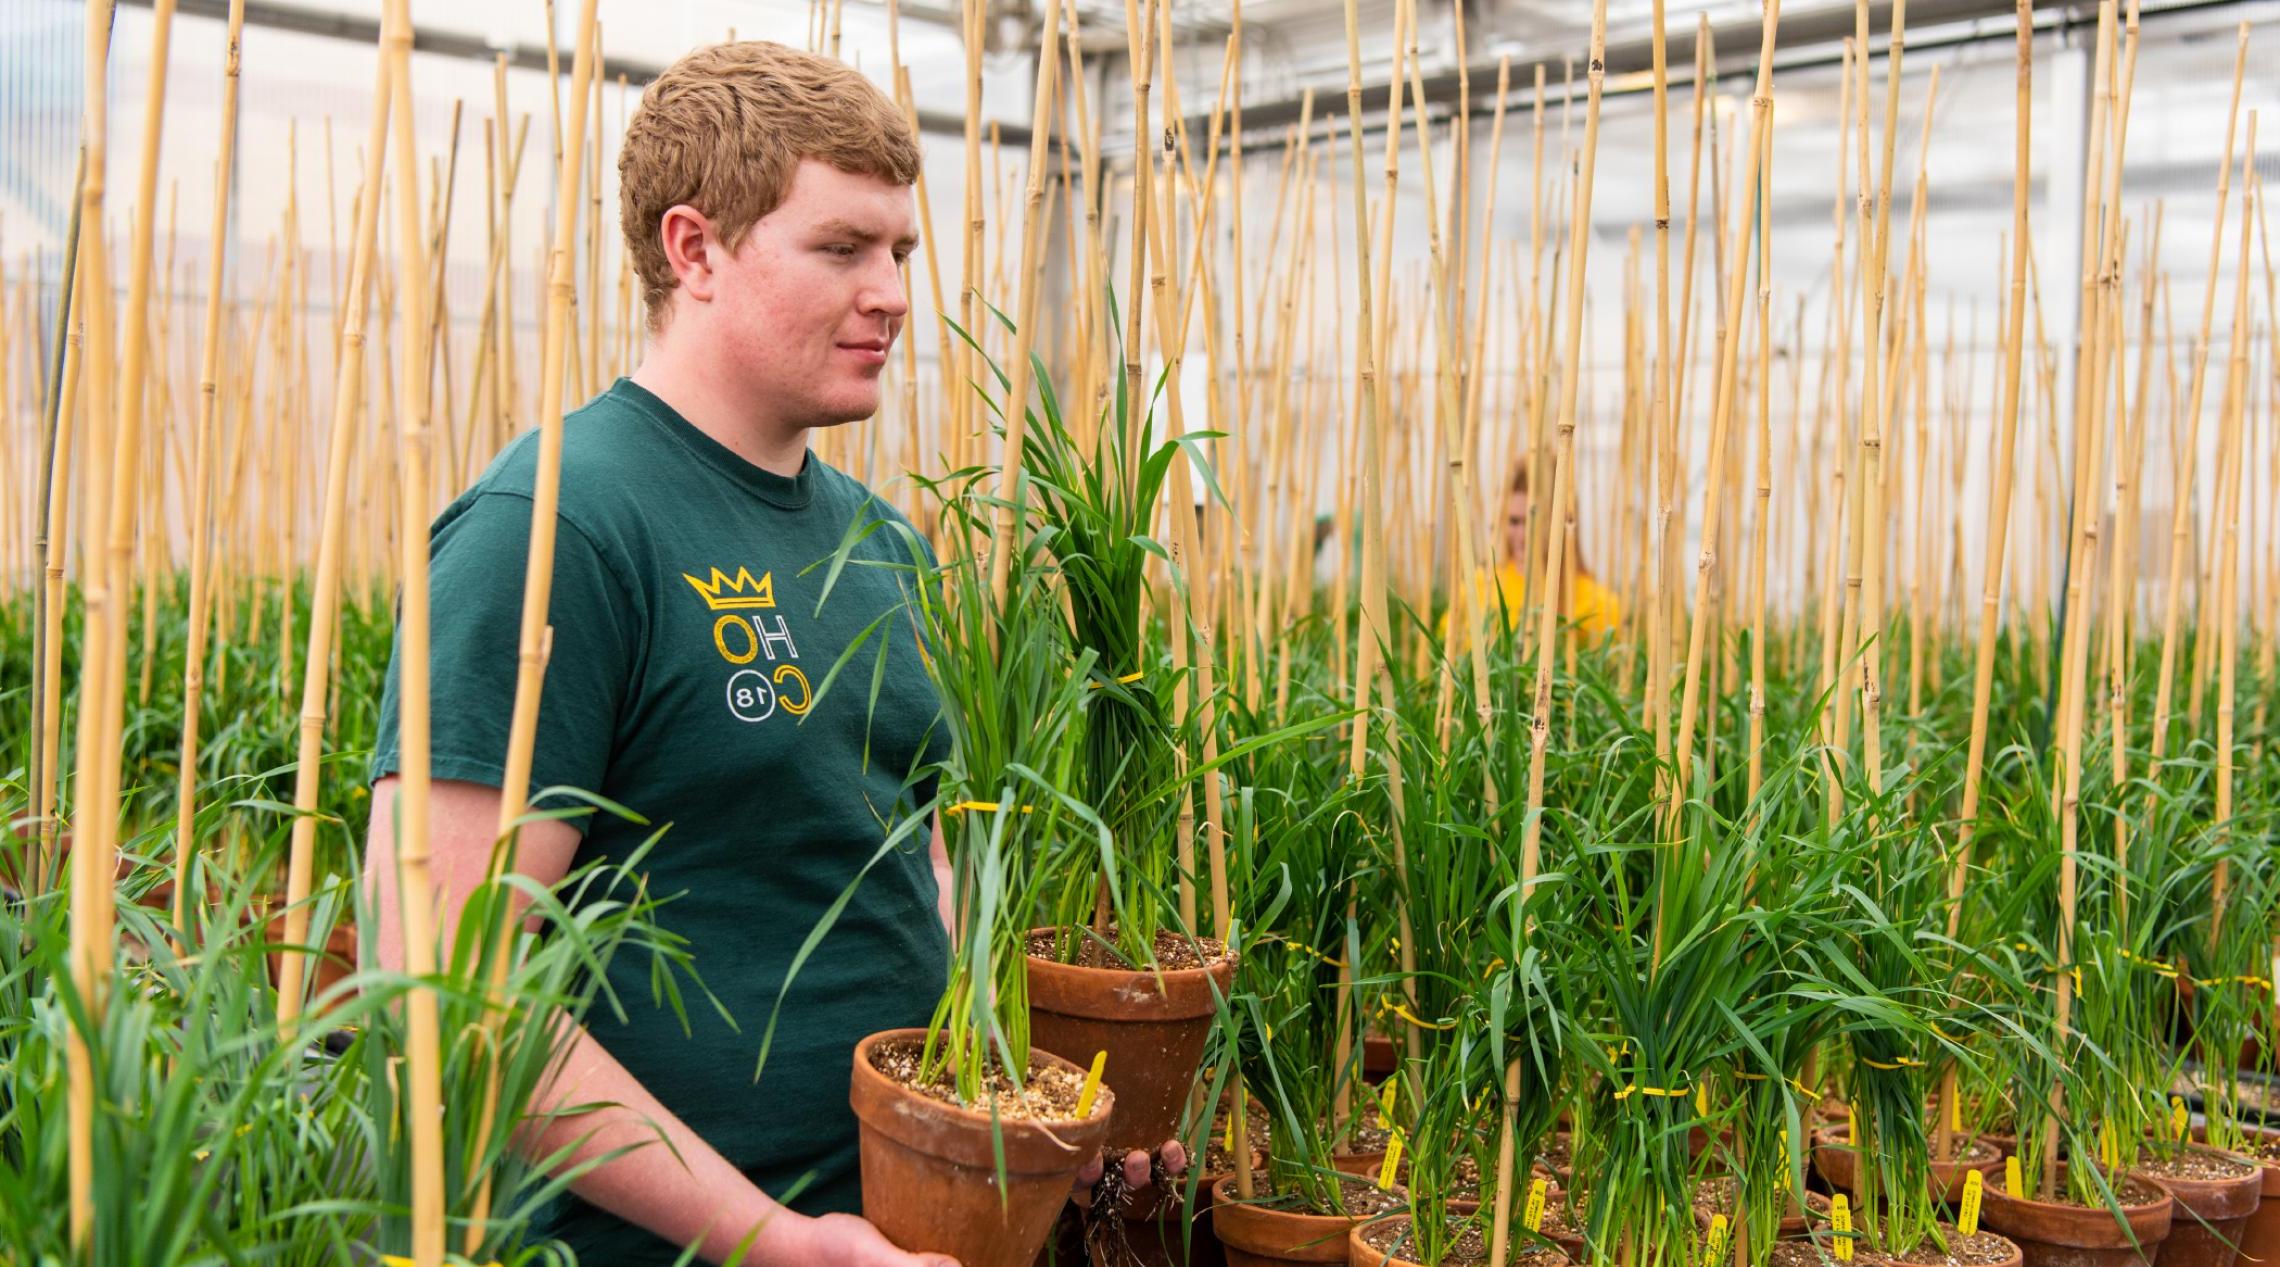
[[2050, 1234], [2260, 1235], [1360, 1253], [930, 1178], [1792, 1225], [1258, 1236], [1837, 1160], [1153, 1027], [1379, 1057], [2205, 1230], [332, 967], [1364, 1165]]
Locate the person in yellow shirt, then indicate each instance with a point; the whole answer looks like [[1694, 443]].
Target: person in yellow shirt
[[1593, 606]]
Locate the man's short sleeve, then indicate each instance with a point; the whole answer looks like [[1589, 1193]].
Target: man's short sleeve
[[475, 585]]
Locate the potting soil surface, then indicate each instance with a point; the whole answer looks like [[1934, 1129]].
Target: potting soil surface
[[1050, 1096], [1217, 1160], [1716, 1196], [2262, 1147], [2196, 1163], [1962, 1251], [1976, 1250], [1463, 1183], [2132, 1192], [1557, 1152], [1174, 953], [1365, 1200], [1389, 1237]]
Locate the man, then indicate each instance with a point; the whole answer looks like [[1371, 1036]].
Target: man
[[765, 198]]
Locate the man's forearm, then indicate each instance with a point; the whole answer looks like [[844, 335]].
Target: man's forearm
[[693, 1198]]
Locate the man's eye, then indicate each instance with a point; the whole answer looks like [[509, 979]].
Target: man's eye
[[843, 250]]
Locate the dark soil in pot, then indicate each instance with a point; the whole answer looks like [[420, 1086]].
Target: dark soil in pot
[[1387, 1243], [1462, 1190], [1260, 1233], [1557, 1156], [930, 1178], [1153, 1025], [2063, 1234], [2215, 1193]]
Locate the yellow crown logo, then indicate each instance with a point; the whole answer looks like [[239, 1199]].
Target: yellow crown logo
[[724, 593]]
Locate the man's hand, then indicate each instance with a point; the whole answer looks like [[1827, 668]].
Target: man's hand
[[842, 1240], [1138, 1171]]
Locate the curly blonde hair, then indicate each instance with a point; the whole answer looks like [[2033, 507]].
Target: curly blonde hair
[[724, 129]]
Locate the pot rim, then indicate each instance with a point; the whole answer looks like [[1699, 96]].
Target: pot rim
[[1031, 1146], [1224, 964], [1361, 1251]]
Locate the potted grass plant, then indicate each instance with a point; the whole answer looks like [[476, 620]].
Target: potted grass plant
[[1112, 969], [971, 1131]]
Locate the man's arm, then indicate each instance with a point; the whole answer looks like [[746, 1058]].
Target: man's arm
[[945, 884], [697, 1198]]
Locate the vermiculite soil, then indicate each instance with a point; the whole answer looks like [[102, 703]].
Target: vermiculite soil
[[1049, 1096]]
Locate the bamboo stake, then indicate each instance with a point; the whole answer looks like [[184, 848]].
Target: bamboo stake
[[59, 408], [201, 465], [348, 386], [1761, 105], [92, 869], [1998, 522], [2230, 460], [2180, 520], [1759, 528], [535, 637], [1033, 234], [423, 1071]]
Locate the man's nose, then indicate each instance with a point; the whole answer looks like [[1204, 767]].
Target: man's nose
[[883, 293]]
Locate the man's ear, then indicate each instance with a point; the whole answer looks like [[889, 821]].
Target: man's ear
[[691, 249]]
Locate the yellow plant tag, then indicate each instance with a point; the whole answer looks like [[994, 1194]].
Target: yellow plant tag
[[2180, 1117], [2012, 1183], [1392, 1163], [1840, 1220], [1532, 1218], [1967, 1218], [1714, 1248], [1385, 1100], [1702, 1099], [1092, 1084], [2109, 1153], [1955, 1114]]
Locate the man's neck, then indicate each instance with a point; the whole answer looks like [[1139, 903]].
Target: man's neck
[[672, 373]]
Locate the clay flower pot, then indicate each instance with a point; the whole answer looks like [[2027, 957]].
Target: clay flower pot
[[331, 968], [1815, 1209], [930, 1178], [2053, 1234], [2259, 1237], [1152, 1025], [2205, 1230], [1838, 1161], [1361, 1253], [2016, 1259], [1261, 1236], [1379, 1057]]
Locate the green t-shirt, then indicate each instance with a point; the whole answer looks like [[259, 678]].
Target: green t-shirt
[[688, 646]]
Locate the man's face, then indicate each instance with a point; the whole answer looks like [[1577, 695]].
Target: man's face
[[810, 303]]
